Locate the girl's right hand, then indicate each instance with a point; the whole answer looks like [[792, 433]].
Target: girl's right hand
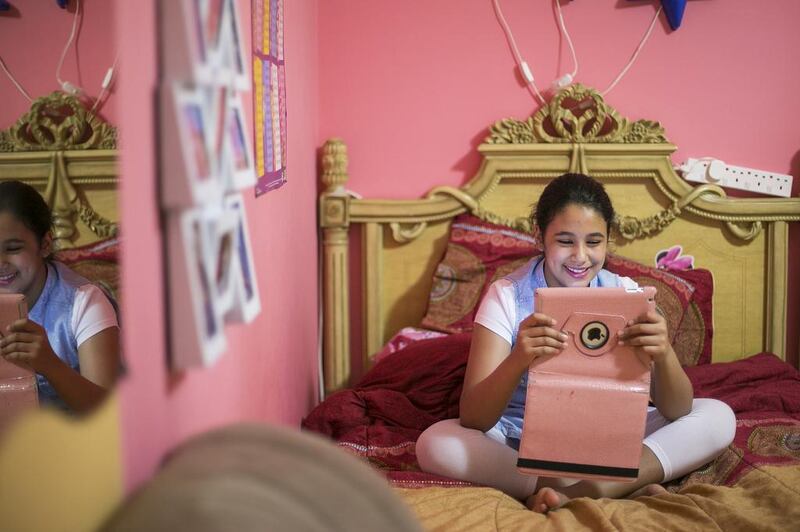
[[25, 343], [537, 338]]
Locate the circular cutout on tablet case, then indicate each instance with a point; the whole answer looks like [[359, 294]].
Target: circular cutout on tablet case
[[594, 335]]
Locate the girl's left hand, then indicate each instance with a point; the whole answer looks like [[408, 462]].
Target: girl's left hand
[[649, 337], [25, 343]]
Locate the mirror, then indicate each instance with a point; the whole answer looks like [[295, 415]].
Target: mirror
[[59, 159]]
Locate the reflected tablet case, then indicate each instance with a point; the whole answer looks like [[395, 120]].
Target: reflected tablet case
[[12, 308], [18, 389], [586, 407]]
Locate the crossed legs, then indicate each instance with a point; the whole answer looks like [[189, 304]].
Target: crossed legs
[[670, 450]]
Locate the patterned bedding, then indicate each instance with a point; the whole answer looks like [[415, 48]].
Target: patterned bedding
[[754, 485]]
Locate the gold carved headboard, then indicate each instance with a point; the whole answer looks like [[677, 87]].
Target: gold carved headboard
[[69, 155], [743, 241]]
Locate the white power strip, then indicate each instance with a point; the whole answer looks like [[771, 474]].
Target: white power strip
[[718, 173]]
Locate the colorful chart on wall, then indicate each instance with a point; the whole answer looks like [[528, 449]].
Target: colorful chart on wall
[[269, 95]]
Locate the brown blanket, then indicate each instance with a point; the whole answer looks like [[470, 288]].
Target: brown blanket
[[754, 485], [764, 499]]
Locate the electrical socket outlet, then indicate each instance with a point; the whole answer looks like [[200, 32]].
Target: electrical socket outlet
[[717, 172]]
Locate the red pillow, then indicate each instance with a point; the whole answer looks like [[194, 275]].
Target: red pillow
[[684, 298], [477, 254], [97, 262], [693, 340]]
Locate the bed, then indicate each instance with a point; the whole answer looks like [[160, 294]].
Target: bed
[[419, 267], [69, 156]]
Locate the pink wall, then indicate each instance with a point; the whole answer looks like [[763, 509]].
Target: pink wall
[[32, 37], [411, 86], [270, 370]]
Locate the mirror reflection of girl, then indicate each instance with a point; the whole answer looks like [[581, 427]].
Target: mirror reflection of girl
[[573, 217], [71, 336]]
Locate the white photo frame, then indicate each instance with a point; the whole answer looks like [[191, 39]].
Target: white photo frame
[[238, 155], [197, 335], [247, 304], [233, 55], [189, 167]]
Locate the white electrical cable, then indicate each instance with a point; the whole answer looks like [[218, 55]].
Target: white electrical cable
[[565, 33], [567, 78], [67, 86], [635, 53], [14, 80], [106, 85], [523, 66]]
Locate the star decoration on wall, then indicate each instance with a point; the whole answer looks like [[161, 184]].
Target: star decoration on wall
[[673, 9]]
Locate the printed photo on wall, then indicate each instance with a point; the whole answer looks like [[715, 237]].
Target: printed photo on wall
[[220, 227], [213, 14], [206, 22], [197, 337], [187, 51], [190, 174], [232, 50], [194, 16], [215, 98], [237, 148], [247, 303]]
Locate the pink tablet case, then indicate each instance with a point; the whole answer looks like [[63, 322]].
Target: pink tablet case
[[586, 407], [17, 385]]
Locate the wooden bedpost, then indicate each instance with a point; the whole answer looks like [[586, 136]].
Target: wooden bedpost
[[334, 216]]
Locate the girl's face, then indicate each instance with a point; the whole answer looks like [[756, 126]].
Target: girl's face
[[22, 259], [575, 244]]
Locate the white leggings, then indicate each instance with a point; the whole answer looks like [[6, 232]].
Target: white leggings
[[446, 448]]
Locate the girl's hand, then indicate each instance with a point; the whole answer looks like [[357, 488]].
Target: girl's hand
[[25, 343], [649, 338], [537, 338]]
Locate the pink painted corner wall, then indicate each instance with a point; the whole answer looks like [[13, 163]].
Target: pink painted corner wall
[[269, 372], [412, 86], [32, 37]]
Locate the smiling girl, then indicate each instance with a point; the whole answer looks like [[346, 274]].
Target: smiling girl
[[573, 218], [71, 336]]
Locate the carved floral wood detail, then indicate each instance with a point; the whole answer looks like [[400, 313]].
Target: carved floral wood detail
[[55, 129], [58, 122], [576, 114]]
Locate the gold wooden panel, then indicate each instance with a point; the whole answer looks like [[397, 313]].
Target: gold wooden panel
[[408, 276], [69, 155], [743, 241]]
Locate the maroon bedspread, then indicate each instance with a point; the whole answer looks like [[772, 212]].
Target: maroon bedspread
[[381, 417]]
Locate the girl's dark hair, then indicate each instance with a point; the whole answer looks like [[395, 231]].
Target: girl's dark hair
[[567, 189], [27, 206]]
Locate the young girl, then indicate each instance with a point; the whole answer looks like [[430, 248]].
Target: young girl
[[71, 336], [572, 218]]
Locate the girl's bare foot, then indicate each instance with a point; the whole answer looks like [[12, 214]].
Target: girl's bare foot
[[546, 499], [650, 490]]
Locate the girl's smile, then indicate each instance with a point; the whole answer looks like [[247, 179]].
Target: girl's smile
[[7, 279], [575, 244], [22, 259]]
